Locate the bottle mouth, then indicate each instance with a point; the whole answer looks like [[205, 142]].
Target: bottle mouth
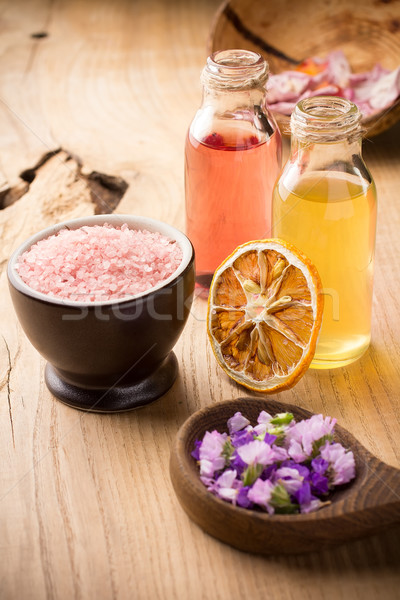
[[325, 119], [235, 68], [235, 59]]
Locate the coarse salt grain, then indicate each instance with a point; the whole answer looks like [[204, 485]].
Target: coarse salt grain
[[99, 263]]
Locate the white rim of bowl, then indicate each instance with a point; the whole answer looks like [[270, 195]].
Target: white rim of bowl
[[115, 220]]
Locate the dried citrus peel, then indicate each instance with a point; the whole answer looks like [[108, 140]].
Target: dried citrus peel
[[264, 314]]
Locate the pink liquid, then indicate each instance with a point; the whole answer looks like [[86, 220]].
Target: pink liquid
[[229, 181]]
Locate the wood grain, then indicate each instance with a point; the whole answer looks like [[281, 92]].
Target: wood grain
[[87, 507]]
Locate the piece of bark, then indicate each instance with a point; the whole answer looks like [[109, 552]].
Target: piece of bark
[[54, 190]]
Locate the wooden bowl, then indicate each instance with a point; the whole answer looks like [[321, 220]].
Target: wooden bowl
[[289, 31], [363, 507]]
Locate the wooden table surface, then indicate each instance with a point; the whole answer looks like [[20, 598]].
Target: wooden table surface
[[86, 505]]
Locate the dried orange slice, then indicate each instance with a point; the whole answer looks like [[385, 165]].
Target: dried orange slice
[[264, 314]]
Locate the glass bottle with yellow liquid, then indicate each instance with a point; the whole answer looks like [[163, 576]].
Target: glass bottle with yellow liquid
[[325, 204]]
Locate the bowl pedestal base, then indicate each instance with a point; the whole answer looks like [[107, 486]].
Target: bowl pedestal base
[[116, 398]]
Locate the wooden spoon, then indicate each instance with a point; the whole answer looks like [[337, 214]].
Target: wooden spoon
[[363, 507]]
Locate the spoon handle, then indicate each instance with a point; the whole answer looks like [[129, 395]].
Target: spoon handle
[[378, 495]]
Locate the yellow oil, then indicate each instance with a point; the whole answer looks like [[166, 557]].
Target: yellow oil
[[332, 219]]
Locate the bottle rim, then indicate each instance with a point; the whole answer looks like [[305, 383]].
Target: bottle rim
[[325, 119], [235, 68]]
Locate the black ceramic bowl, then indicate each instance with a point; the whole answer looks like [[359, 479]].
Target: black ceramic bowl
[[114, 355]]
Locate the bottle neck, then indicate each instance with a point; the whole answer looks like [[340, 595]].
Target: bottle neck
[[235, 70], [326, 134], [232, 100], [325, 119], [317, 156]]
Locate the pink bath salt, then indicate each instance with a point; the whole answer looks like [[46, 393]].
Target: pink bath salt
[[99, 263]]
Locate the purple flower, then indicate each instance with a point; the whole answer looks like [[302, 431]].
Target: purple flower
[[210, 453], [280, 454], [260, 430], [237, 463], [261, 493], [341, 462], [319, 465], [263, 435], [196, 452], [269, 472], [227, 486], [313, 505], [237, 422], [303, 494], [256, 453], [241, 437], [264, 417], [303, 437], [242, 498], [290, 478], [269, 438], [296, 451], [263, 421], [302, 469], [319, 484], [208, 481]]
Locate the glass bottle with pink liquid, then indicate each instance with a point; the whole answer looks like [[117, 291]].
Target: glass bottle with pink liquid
[[232, 159]]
